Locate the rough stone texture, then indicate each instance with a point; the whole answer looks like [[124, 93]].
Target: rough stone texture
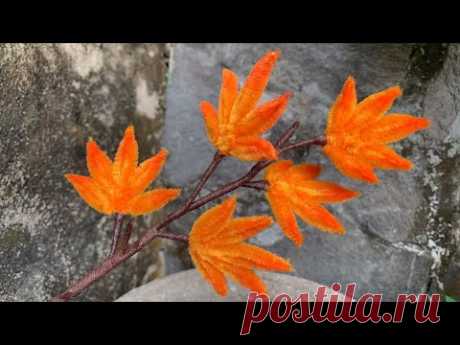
[[53, 97], [452, 279], [189, 286], [402, 233]]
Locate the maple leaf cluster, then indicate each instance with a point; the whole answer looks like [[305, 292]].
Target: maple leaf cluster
[[120, 186], [357, 136]]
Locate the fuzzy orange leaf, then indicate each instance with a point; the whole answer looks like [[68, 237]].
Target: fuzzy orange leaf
[[357, 134], [210, 120], [119, 187], [253, 149], [90, 191], [151, 201], [228, 95], [99, 164], [293, 190], [235, 128], [218, 251], [284, 214], [305, 171], [148, 171], [245, 227], [126, 157], [263, 118]]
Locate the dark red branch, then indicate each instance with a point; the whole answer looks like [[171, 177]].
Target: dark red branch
[[124, 238], [117, 229], [260, 185], [287, 134], [218, 157], [261, 182], [256, 187], [320, 141], [174, 237], [107, 266]]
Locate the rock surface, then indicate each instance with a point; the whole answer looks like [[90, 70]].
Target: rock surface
[[402, 233], [189, 286], [53, 97]]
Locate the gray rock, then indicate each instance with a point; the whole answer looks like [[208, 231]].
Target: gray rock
[[189, 286], [452, 278], [403, 232], [53, 97]]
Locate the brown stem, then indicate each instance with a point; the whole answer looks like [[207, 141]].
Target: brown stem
[[259, 185], [261, 182], [319, 141], [107, 266], [124, 238], [117, 229], [174, 237], [112, 262], [261, 189], [218, 157], [287, 134]]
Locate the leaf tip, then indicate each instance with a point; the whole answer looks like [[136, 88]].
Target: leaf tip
[[230, 202], [350, 81], [341, 231], [298, 240], [354, 194], [164, 152], [130, 130], [276, 54], [395, 91], [424, 123]]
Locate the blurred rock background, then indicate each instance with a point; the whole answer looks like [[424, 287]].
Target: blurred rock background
[[402, 235]]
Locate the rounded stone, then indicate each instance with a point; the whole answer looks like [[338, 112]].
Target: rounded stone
[[189, 286]]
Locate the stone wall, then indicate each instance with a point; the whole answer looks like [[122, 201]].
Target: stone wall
[[402, 233], [53, 97]]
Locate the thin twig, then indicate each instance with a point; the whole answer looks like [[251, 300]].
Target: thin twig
[[125, 237], [250, 186], [218, 157], [262, 182], [320, 141], [287, 134], [260, 185], [116, 233], [174, 237]]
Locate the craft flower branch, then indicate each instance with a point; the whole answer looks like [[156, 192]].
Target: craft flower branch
[[358, 134], [235, 128], [357, 141], [293, 190], [119, 186], [217, 248]]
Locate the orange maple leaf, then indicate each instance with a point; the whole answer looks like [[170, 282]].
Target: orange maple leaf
[[358, 133], [293, 190], [217, 248], [235, 129], [119, 186]]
